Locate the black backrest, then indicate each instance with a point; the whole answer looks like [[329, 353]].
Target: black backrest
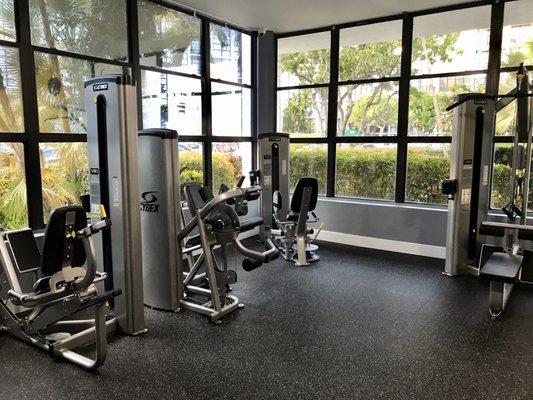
[[197, 195], [55, 239], [296, 201]]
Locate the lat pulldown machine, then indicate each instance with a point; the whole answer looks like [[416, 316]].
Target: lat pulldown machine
[[479, 243]]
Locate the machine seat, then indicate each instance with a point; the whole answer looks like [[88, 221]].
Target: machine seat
[[502, 267], [251, 223], [193, 241]]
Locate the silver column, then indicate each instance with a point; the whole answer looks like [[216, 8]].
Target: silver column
[[160, 217], [111, 110]]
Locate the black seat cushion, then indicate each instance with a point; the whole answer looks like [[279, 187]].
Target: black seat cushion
[[297, 197], [55, 238]]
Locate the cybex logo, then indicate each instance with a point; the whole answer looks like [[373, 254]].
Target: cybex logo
[[149, 202], [100, 86]]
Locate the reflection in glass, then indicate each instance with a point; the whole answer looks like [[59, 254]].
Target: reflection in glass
[[304, 60], [95, 28], [169, 39], [303, 112], [231, 54], [366, 170], [13, 200], [230, 162], [427, 166], [173, 102], [11, 115], [231, 110], [308, 160], [368, 109]]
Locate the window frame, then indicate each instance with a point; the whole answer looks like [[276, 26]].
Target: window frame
[[32, 137], [402, 139]]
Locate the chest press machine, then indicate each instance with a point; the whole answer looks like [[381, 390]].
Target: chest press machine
[[478, 243], [41, 290]]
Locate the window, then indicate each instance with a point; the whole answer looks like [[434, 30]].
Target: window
[[231, 110], [90, 27], [11, 115], [368, 109], [231, 53], [73, 41], [169, 39], [7, 20], [308, 160], [172, 101], [370, 51], [60, 91], [13, 204], [428, 99], [366, 170], [427, 166], [64, 174], [517, 42], [191, 162], [231, 160], [303, 112], [452, 41], [304, 60]]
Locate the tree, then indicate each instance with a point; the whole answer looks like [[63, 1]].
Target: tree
[[295, 115], [360, 62]]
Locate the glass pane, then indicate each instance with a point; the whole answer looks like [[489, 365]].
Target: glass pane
[[303, 112], [517, 40], [60, 92], [231, 54], [191, 162], [370, 51], [13, 201], [230, 162], [501, 174], [505, 118], [11, 113], [64, 174], [303, 60], [7, 20], [366, 170], [368, 110], [231, 110], [169, 39], [173, 102], [309, 160], [452, 41], [429, 98], [91, 27], [427, 166]]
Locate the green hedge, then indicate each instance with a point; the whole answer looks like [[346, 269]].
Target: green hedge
[[360, 172]]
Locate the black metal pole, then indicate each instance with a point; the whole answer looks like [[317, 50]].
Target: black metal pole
[[332, 111], [206, 103], [32, 162], [495, 48]]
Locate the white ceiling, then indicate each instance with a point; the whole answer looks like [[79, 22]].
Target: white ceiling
[[290, 15]]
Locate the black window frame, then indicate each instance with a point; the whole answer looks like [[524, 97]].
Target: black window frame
[[402, 139], [32, 137]]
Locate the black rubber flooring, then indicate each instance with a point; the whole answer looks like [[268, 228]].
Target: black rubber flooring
[[359, 324]]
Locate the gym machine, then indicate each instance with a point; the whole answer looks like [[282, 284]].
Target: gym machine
[[38, 292], [468, 189], [180, 269], [287, 223], [111, 109]]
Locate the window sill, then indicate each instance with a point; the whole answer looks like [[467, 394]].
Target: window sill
[[383, 203]]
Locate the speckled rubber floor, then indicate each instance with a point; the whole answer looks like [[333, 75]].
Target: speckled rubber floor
[[359, 324]]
